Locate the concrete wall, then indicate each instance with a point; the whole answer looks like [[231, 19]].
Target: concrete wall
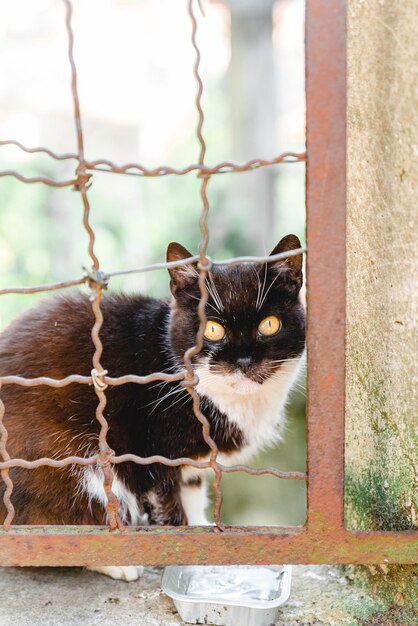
[[382, 262], [381, 404]]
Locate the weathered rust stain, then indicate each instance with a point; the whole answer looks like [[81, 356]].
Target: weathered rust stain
[[326, 207]]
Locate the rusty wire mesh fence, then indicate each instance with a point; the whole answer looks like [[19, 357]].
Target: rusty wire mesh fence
[[97, 280]]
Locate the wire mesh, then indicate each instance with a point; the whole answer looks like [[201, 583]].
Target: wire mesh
[[97, 280]]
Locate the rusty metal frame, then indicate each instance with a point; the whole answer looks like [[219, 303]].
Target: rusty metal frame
[[324, 538]]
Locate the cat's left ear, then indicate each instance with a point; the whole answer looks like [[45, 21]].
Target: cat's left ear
[[183, 275], [293, 264]]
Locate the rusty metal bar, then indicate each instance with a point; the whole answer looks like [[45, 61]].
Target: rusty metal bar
[[80, 545], [326, 279]]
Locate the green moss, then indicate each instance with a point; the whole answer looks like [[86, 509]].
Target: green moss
[[364, 607], [390, 595], [393, 616], [381, 496], [379, 499]]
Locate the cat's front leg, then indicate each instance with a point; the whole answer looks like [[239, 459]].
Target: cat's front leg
[[169, 503], [193, 496]]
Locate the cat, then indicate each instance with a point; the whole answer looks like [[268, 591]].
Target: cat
[[254, 340]]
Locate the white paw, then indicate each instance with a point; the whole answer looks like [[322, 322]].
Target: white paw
[[200, 521], [120, 572]]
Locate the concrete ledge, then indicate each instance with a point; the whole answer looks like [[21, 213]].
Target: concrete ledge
[[66, 596]]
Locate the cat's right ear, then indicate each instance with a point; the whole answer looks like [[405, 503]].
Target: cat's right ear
[[183, 275]]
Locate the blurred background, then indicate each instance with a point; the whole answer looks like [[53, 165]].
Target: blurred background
[[137, 93]]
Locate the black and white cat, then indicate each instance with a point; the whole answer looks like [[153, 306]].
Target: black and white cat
[[254, 340]]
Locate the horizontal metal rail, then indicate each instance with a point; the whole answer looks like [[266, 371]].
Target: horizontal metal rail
[[78, 545]]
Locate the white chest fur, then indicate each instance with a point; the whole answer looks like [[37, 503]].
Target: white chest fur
[[259, 414]]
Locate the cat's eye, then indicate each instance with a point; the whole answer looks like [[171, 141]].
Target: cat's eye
[[214, 331], [269, 326]]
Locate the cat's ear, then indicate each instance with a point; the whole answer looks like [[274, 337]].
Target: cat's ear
[[290, 242], [292, 264], [183, 275]]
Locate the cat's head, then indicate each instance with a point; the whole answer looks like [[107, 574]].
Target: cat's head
[[256, 322]]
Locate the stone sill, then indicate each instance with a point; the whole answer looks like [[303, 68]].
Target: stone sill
[[66, 596]]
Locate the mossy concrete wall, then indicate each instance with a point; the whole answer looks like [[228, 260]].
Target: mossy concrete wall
[[382, 265]]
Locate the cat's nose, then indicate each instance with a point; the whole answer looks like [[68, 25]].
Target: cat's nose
[[244, 363]]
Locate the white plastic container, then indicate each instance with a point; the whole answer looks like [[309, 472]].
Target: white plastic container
[[242, 595]]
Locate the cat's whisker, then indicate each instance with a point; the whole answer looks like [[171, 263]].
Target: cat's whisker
[[170, 393], [158, 401], [178, 400], [211, 293], [260, 303], [174, 369], [260, 299], [269, 287], [178, 391], [169, 369], [215, 292], [185, 402], [161, 384], [258, 286], [207, 303], [289, 375], [213, 369], [290, 360]]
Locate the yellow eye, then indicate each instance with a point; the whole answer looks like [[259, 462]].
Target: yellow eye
[[269, 326], [214, 331]]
